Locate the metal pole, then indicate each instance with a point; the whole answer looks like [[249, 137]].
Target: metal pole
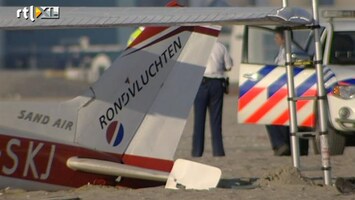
[[284, 3], [291, 103], [322, 112], [291, 95]]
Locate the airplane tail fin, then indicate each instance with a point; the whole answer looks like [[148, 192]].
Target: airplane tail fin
[[138, 108], [161, 129]]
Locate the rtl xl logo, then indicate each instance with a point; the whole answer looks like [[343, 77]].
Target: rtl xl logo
[[41, 12]]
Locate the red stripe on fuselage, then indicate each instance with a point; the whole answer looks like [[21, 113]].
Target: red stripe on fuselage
[[37, 155], [30, 159], [151, 31], [197, 29], [149, 163], [204, 30], [147, 33]]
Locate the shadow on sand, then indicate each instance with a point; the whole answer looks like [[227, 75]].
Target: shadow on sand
[[238, 183]]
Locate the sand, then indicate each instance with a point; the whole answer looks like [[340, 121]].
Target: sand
[[249, 169]]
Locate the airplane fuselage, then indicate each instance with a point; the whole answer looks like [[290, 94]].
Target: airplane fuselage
[[45, 162], [38, 164]]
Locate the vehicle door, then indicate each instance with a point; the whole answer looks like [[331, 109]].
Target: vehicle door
[[263, 84]]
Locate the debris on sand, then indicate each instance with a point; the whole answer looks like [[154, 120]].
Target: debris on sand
[[345, 185], [284, 176]]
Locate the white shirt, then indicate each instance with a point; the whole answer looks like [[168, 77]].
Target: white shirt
[[280, 58], [218, 62]]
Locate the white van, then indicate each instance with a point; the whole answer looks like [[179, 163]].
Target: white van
[[262, 85]]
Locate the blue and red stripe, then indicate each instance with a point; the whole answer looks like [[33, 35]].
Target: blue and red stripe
[[347, 82], [249, 84], [248, 91], [274, 97], [278, 84]]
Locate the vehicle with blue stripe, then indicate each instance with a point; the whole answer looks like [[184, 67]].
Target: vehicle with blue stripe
[[262, 84]]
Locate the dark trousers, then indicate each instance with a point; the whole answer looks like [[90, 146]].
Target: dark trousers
[[280, 135], [209, 95]]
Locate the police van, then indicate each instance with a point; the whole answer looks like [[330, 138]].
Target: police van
[[262, 84]]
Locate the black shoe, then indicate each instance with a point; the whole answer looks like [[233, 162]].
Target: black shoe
[[344, 185]]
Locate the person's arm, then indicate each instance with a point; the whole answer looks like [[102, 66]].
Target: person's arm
[[228, 62]]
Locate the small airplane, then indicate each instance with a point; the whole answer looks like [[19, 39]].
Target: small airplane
[[124, 130]]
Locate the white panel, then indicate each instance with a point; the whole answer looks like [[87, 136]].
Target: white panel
[[192, 175]]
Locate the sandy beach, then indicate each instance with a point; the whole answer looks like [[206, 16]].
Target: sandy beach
[[249, 169]]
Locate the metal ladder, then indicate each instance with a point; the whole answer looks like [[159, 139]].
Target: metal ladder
[[320, 98]]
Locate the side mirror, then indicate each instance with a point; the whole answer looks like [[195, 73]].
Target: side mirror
[[301, 59]]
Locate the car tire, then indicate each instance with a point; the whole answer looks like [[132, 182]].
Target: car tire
[[336, 141]]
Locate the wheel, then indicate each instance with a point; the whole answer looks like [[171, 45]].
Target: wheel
[[336, 142]]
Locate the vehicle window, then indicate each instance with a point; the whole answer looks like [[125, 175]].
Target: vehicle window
[[301, 38], [342, 50], [308, 44], [260, 46]]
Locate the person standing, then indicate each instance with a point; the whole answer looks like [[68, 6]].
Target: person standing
[[210, 96], [280, 135]]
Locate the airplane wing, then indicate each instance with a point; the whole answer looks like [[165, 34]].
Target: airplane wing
[[96, 17]]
